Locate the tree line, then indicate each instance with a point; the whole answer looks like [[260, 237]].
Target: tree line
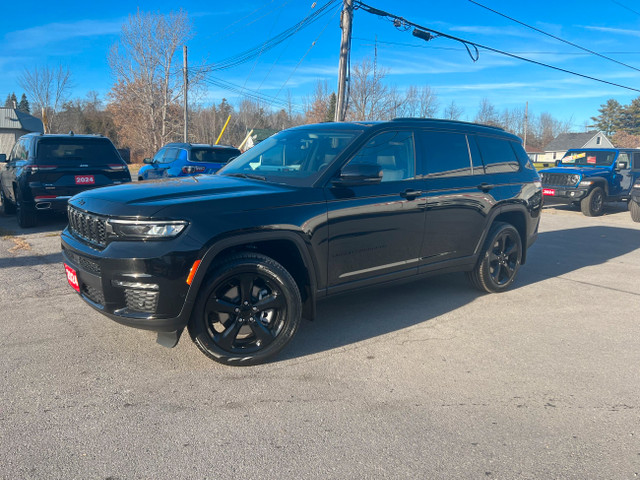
[[621, 123], [144, 108]]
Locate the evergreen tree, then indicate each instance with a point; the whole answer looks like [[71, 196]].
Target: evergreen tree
[[23, 106], [631, 117], [11, 101], [610, 118], [331, 109], [7, 102]]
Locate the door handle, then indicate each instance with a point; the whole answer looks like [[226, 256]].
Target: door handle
[[485, 187], [411, 194]]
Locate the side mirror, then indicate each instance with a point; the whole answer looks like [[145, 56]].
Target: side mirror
[[558, 163], [358, 174], [622, 165], [148, 161], [3, 158]]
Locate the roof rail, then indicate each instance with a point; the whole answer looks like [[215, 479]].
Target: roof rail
[[442, 120]]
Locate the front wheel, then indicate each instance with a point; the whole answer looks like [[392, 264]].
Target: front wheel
[[500, 260], [593, 204], [634, 208], [247, 310]]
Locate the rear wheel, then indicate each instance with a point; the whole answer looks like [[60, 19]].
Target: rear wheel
[[593, 204], [634, 208], [247, 311], [497, 267], [7, 207], [25, 214]]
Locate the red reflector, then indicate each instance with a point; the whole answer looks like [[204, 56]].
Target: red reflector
[[48, 197], [192, 272]]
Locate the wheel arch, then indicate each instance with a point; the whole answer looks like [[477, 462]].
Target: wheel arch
[[286, 248], [513, 215]]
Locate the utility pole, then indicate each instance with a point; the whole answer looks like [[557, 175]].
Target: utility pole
[[185, 83], [345, 48]]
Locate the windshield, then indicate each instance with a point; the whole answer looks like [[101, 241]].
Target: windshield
[[295, 157], [589, 158], [75, 151]]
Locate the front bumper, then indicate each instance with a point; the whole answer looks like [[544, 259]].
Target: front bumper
[[146, 291], [563, 194]]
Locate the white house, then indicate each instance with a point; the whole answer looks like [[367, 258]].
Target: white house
[[14, 124], [556, 149]]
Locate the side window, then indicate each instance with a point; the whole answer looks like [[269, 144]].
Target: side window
[[14, 151], [169, 155], [393, 151], [524, 159], [157, 158], [497, 155], [636, 162], [182, 155], [445, 154], [624, 157]]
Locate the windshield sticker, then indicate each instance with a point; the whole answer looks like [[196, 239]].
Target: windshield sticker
[[569, 159], [591, 160]]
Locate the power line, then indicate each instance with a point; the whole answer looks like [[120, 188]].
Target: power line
[[624, 6], [555, 37], [429, 34]]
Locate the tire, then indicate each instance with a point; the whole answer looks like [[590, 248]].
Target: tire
[[500, 259], [593, 204], [247, 310], [634, 208], [26, 215], [8, 208]]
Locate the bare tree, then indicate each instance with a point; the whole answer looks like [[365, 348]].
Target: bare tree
[[452, 111], [419, 102], [487, 113], [47, 87], [370, 98], [149, 77]]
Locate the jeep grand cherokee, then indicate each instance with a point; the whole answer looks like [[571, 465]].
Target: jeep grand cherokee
[[241, 256]]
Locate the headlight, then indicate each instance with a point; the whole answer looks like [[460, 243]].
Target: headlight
[[636, 185], [575, 178], [146, 229]]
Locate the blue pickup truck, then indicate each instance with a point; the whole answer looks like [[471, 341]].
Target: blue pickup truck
[[592, 177]]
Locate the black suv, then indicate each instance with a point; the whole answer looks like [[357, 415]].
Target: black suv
[[239, 257], [44, 171]]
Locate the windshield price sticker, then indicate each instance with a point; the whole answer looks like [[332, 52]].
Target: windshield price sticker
[[591, 160]]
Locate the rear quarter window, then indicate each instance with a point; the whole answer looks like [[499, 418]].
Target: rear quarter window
[[77, 151], [444, 154], [497, 155]]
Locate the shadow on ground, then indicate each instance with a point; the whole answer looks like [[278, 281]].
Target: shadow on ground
[[380, 310]]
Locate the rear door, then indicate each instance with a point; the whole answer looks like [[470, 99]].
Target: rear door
[[68, 165]]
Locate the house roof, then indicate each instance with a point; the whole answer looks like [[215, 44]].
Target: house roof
[[565, 141], [15, 119]]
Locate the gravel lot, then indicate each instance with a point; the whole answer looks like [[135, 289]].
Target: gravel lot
[[428, 379]]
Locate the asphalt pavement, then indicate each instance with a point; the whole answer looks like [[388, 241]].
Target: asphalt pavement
[[428, 379]]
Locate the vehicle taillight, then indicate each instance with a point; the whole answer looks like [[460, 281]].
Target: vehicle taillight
[[117, 168], [193, 169], [36, 168]]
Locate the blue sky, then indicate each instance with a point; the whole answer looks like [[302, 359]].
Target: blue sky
[[79, 35]]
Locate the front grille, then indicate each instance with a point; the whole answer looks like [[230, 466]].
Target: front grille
[[88, 227], [141, 300], [93, 294], [560, 179]]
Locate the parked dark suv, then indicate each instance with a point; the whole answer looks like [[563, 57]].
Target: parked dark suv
[[184, 159], [44, 171], [239, 257]]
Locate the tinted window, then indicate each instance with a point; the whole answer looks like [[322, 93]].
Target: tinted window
[[213, 155], [393, 151], [445, 154], [636, 161], [589, 158], [170, 155], [524, 159], [76, 151], [624, 157], [157, 158], [497, 155]]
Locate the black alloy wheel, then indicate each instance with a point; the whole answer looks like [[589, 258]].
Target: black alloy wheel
[[593, 204], [247, 311], [497, 267]]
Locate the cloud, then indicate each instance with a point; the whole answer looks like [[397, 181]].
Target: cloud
[[37, 37], [617, 31]]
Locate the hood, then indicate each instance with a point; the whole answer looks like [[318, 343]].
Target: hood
[[149, 197], [584, 171]]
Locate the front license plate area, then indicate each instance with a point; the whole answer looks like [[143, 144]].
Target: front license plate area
[[72, 277], [85, 180], [548, 191]]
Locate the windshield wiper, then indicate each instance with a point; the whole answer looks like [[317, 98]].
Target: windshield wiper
[[246, 175]]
